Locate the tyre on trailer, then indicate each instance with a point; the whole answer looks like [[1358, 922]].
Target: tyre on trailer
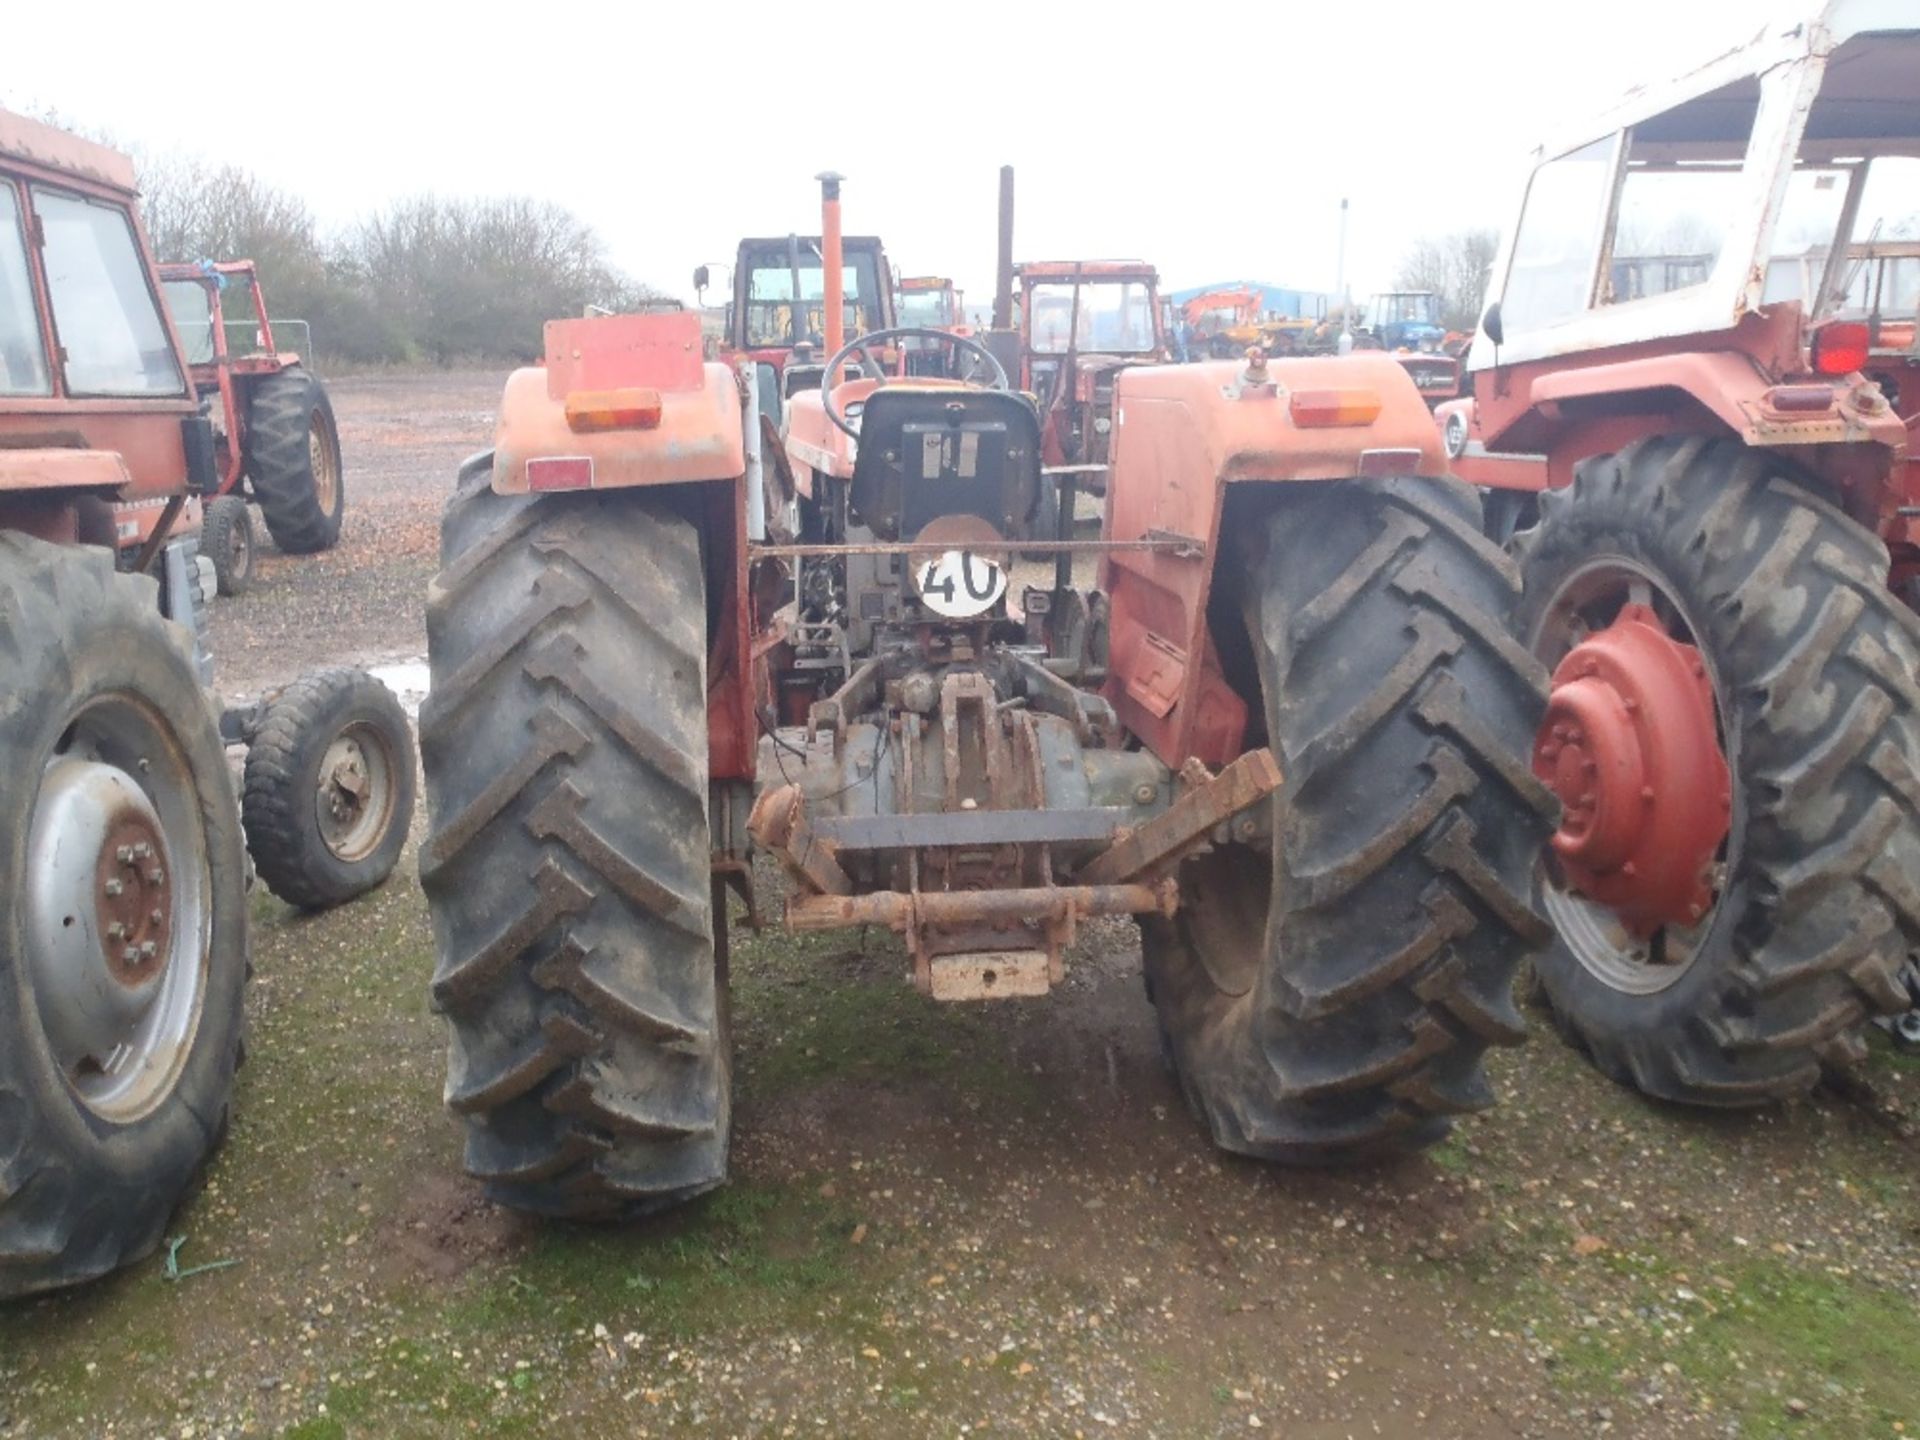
[[293, 461], [1333, 1000], [226, 538], [1780, 773], [581, 958], [123, 927], [327, 797]]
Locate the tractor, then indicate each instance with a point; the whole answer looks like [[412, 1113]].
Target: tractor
[[1225, 322], [1402, 320], [274, 429], [928, 302], [777, 318], [123, 845], [1697, 388], [1082, 323], [1289, 732]]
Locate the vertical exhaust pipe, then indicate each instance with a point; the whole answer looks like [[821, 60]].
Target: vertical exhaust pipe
[[1003, 278], [831, 266]]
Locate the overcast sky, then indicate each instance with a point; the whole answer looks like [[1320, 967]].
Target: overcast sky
[[1213, 139]]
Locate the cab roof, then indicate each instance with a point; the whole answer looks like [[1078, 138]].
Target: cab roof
[[54, 149]]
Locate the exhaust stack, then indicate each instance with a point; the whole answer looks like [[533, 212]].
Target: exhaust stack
[[831, 265]]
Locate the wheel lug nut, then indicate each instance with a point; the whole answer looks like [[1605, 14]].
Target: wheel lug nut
[[113, 888], [124, 854], [130, 956], [156, 875], [116, 931], [155, 916], [147, 950]]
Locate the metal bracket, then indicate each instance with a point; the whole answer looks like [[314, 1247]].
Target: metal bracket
[[1162, 841]]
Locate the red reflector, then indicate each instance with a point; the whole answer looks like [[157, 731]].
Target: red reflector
[[560, 472], [633, 409], [1840, 348], [1799, 399], [1333, 407], [1384, 462]]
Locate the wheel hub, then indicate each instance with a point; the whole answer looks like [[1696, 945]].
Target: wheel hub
[[1630, 746], [100, 908]]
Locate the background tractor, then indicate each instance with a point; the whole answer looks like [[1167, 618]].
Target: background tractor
[[1288, 731], [928, 302], [1402, 320], [274, 429], [1226, 322], [1720, 566], [123, 918]]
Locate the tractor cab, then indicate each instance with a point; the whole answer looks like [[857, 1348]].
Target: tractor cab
[[1404, 320], [1081, 323], [777, 316]]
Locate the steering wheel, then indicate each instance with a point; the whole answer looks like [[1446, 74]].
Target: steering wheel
[[858, 346]]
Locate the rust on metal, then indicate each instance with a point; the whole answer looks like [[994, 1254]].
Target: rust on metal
[[133, 900], [900, 910], [779, 825], [1161, 841], [1160, 540]]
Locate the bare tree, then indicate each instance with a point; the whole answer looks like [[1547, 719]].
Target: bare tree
[[1455, 267]]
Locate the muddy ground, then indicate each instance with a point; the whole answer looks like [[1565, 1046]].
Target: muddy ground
[[949, 1221]]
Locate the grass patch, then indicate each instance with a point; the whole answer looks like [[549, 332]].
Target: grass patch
[[1784, 1331], [747, 1253]]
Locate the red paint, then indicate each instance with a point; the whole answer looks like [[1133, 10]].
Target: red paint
[[1630, 746]]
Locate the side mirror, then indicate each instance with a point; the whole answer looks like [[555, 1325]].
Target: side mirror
[[700, 278], [1490, 322]]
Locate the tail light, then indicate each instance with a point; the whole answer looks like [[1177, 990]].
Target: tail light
[[1315, 408], [1840, 347], [633, 409]]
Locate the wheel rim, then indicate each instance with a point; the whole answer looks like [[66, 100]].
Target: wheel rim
[[1635, 743], [118, 908], [240, 548], [323, 457], [354, 795]]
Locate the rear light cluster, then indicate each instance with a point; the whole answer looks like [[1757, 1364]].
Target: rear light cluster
[[1841, 347]]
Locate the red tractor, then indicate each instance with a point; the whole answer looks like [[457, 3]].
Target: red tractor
[[274, 429], [123, 874], [1698, 389], [928, 302], [1300, 758]]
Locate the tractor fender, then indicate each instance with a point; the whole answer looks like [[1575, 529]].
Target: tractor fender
[[1182, 434], [622, 401]]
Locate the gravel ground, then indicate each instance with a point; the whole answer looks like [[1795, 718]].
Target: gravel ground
[[949, 1221]]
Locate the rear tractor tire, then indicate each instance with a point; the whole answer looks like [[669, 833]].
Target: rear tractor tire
[[123, 923], [1333, 1000], [581, 959], [293, 461], [226, 538], [1805, 901], [329, 788]]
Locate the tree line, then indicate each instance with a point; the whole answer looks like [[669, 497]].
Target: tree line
[[426, 280]]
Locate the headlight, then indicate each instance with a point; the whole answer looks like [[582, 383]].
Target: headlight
[[1456, 435]]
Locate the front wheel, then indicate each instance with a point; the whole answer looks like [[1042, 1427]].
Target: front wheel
[[123, 927], [1733, 730], [329, 788], [1333, 999]]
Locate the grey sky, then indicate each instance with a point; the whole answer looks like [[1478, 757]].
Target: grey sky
[[1213, 139]]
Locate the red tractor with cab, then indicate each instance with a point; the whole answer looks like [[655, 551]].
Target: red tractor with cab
[[274, 430], [1697, 393], [1296, 749], [123, 843]]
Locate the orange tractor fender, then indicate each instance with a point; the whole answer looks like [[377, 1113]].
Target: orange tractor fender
[[622, 400], [627, 401], [1182, 435], [1833, 425]]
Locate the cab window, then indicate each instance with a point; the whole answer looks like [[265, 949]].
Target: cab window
[[104, 315], [23, 355], [1550, 278]]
